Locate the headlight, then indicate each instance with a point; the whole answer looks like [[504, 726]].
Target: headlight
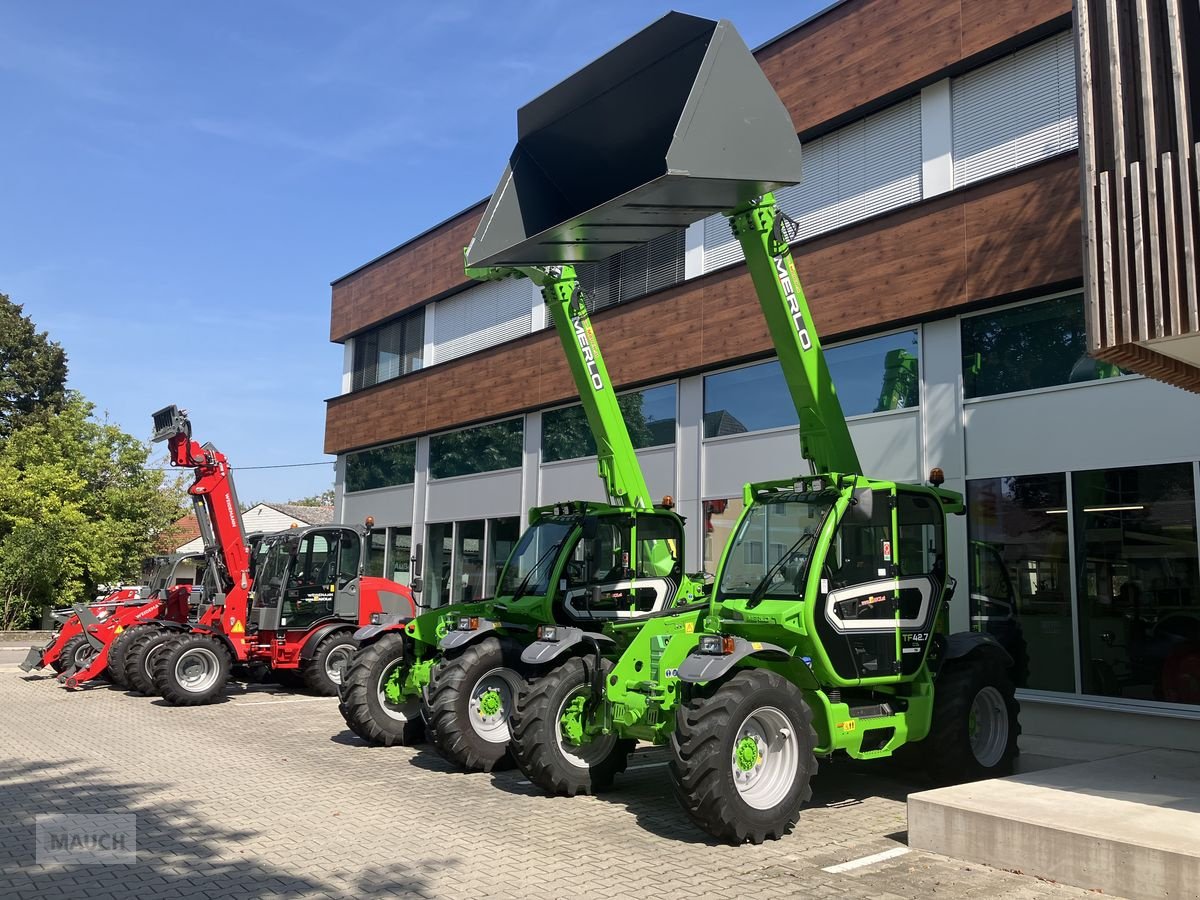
[[376, 618], [547, 632], [716, 644], [468, 623]]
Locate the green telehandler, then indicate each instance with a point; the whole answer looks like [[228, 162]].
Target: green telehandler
[[453, 673], [827, 628]]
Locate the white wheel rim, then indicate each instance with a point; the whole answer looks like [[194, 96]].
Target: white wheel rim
[[589, 753], [489, 712], [407, 711], [336, 661], [197, 669], [987, 727], [764, 782], [148, 661]]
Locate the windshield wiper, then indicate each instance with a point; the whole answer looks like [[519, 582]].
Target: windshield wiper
[[524, 585], [761, 588]]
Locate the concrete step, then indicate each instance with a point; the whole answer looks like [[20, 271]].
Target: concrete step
[[1126, 825]]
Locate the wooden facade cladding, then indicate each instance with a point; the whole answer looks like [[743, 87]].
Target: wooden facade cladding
[[1139, 76], [851, 56], [1004, 237], [864, 50]]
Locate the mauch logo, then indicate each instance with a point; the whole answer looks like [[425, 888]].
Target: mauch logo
[[789, 291], [86, 839], [589, 356]]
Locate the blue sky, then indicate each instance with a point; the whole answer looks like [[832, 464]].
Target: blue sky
[[179, 183]]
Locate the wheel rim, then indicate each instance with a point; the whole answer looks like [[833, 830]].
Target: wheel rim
[[148, 661], [197, 669], [491, 702], [577, 747], [83, 655], [336, 661], [987, 727], [765, 758], [391, 695]]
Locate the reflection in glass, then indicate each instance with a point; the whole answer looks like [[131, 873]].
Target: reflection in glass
[[486, 448], [503, 535], [720, 518], [376, 550], [468, 562], [649, 415], [1034, 346], [769, 554], [1020, 586], [1139, 585], [439, 547], [401, 555], [379, 467]]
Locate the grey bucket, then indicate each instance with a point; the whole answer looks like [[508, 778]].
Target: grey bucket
[[669, 127]]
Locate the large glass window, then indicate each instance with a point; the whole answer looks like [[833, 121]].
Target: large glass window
[[769, 554], [532, 563], [487, 448], [503, 535], [400, 555], [873, 375], [468, 562], [439, 551], [1034, 346], [1020, 584], [389, 350], [720, 518], [379, 467], [1139, 582], [649, 415]]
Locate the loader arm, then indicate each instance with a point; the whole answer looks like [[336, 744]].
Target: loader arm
[[824, 435], [616, 459]]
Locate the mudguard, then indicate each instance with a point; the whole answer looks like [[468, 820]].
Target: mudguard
[[964, 643], [456, 639], [699, 667], [370, 632], [545, 651], [309, 650]]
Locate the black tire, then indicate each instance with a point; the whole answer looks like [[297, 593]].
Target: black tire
[[711, 725], [75, 651], [316, 672], [118, 650], [361, 699], [198, 649], [950, 754], [537, 742], [60, 663], [139, 659], [466, 729]]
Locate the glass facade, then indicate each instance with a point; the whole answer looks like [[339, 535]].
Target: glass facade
[[1091, 579], [1038, 345], [875, 375], [498, 445], [649, 415], [389, 351], [379, 467], [503, 535], [464, 559]]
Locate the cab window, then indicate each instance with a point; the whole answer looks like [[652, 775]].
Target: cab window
[[658, 545]]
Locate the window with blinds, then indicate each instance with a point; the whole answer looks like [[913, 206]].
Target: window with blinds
[[857, 171], [632, 273], [482, 316], [1015, 111], [389, 350]]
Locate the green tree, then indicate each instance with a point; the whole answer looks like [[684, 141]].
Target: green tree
[[78, 508], [325, 498], [33, 369]]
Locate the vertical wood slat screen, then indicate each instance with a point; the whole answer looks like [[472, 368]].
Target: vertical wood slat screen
[[1141, 179]]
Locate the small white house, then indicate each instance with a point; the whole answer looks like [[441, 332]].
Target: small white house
[[260, 517]]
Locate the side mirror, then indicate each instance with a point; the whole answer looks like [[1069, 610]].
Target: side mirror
[[862, 507], [417, 585]]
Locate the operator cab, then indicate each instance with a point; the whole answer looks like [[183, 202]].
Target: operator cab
[[600, 565], [307, 576]]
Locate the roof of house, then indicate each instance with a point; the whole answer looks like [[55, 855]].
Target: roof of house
[[309, 515]]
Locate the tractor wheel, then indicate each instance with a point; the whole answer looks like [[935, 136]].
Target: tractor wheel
[[323, 673], [370, 697], [468, 702], [549, 740], [77, 652], [139, 659], [742, 757], [974, 730], [60, 663], [191, 670], [118, 650]]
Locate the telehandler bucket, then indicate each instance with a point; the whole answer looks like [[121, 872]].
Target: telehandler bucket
[[671, 126]]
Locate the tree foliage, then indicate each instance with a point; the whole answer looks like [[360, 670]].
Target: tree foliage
[[325, 498], [78, 508], [33, 369]]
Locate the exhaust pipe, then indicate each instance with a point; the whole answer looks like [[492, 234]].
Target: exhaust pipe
[[669, 127]]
